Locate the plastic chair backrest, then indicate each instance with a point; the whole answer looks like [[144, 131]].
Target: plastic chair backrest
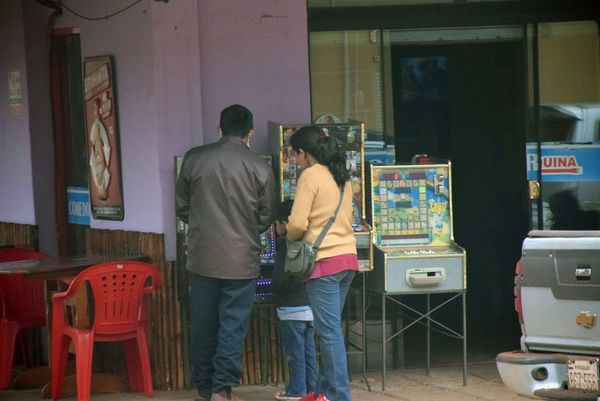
[[118, 290], [22, 298]]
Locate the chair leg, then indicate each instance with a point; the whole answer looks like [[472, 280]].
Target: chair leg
[[8, 336], [84, 353], [138, 364], [142, 344], [58, 362], [24, 341], [134, 368]]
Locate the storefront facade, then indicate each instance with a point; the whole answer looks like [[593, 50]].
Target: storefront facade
[[176, 66], [508, 91], [471, 81]]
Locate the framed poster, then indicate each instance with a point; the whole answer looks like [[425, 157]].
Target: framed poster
[[102, 130]]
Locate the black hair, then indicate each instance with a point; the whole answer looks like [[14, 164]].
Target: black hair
[[326, 149], [284, 210], [236, 120]]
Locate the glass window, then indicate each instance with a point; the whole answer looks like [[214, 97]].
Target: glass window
[[569, 126], [345, 70]]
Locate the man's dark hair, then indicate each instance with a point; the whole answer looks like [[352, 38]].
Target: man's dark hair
[[284, 210], [236, 120]]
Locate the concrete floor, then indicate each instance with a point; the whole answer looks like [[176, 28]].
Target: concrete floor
[[445, 382]]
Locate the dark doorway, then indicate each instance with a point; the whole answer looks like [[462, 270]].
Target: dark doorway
[[466, 103]]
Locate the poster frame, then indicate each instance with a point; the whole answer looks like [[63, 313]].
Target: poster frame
[[103, 138]]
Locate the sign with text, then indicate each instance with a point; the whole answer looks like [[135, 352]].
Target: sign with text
[[15, 99], [78, 206], [564, 162], [104, 164]]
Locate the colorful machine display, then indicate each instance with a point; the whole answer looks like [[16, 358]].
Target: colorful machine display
[[267, 245], [267, 239], [352, 136], [411, 212]]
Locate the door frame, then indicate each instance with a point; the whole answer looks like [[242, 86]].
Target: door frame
[[60, 166]]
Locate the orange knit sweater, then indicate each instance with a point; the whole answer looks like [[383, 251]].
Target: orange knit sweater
[[317, 196]]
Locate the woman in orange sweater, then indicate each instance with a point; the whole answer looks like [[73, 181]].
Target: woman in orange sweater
[[324, 173]]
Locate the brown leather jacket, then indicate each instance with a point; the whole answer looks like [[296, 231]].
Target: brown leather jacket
[[227, 196]]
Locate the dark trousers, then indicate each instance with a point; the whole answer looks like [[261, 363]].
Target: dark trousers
[[221, 311]]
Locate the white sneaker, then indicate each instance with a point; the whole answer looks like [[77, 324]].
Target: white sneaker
[[282, 396]]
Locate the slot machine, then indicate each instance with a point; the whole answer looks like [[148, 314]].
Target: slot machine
[[411, 210], [414, 251], [351, 136], [264, 285]]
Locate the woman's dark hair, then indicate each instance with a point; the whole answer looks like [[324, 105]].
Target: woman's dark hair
[[326, 149]]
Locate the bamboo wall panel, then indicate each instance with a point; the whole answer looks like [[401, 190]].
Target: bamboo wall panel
[[19, 235], [262, 357], [165, 330]]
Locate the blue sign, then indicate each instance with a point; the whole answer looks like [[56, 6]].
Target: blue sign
[[380, 156], [78, 205], [563, 162]]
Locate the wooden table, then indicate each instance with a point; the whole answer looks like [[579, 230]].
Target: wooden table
[[65, 267], [58, 272]]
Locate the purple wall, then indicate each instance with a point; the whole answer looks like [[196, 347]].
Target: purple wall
[[16, 184], [178, 64], [128, 38], [178, 97], [254, 52]]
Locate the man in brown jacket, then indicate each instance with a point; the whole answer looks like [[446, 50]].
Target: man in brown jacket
[[227, 196]]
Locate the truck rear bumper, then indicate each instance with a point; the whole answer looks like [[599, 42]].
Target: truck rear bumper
[[527, 372], [539, 375]]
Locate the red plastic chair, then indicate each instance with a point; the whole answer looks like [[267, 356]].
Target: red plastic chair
[[119, 291], [21, 307]]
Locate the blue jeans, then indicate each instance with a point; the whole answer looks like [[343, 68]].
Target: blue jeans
[[221, 311], [327, 296], [298, 341]]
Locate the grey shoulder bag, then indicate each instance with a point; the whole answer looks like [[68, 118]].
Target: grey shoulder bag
[[300, 256]]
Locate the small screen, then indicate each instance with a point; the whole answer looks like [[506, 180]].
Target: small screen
[[267, 244], [411, 205]]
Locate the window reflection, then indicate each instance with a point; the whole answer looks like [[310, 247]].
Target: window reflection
[[568, 215], [570, 164]]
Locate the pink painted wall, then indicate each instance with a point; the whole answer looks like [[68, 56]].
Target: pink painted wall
[[254, 52], [178, 64], [16, 184], [178, 96], [128, 38]]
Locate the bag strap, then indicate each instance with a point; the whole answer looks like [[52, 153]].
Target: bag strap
[[319, 239]]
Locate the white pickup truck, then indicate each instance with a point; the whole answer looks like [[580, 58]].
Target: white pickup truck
[[557, 298]]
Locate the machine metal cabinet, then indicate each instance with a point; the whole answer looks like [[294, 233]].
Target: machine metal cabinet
[[414, 248]]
